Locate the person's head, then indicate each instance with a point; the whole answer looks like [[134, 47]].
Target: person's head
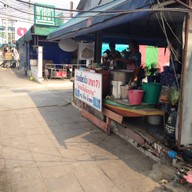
[[112, 46], [133, 46], [106, 53]]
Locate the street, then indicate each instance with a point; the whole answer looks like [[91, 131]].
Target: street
[[47, 146]]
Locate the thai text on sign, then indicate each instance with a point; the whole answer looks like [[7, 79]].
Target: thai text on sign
[[88, 88], [44, 14]]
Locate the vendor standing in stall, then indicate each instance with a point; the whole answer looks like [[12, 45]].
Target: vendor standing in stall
[[132, 58], [111, 57]]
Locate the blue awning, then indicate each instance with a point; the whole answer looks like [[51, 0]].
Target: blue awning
[[101, 17]]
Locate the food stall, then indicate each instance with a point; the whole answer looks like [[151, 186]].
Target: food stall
[[121, 28], [115, 94]]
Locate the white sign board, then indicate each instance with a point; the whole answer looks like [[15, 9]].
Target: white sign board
[[86, 51], [88, 88], [20, 29]]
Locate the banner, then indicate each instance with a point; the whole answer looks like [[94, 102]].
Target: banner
[[20, 29], [88, 88]]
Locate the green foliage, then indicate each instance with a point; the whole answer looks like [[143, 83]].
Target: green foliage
[[152, 69], [174, 95]]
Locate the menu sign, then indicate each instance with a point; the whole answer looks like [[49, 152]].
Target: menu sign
[[88, 88]]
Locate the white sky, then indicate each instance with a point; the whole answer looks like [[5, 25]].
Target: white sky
[[20, 11], [58, 3]]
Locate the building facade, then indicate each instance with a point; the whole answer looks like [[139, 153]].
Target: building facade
[[10, 31]]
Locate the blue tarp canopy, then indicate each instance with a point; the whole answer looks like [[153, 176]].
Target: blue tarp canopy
[[101, 17], [115, 19]]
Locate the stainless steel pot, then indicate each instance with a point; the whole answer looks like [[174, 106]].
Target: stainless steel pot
[[121, 75]]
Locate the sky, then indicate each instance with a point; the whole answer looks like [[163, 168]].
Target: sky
[[20, 13], [58, 3], [17, 10]]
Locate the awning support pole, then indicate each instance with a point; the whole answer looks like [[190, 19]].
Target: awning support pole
[[98, 44], [184, 69]]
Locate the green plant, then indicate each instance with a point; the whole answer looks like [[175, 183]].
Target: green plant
[[152, 70], [174, 95]]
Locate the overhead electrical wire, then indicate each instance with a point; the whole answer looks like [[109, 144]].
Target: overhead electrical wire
[[95, 11], [102, 13], [169, 24], [172, 50], [164, 17], [17, 18], [108, 13], [162, 25], [81, 13], [27, 12]]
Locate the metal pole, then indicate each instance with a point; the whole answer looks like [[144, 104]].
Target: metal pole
[[6, 23], [2, 32], [29, 16], [184, 69], [71, 8]]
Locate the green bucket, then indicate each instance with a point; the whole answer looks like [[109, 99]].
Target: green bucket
[[152, 92]]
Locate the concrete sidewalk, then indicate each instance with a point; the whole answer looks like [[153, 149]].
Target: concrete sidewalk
[[46, 145]]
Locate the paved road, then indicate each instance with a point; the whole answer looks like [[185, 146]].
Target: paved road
[[47, 146]]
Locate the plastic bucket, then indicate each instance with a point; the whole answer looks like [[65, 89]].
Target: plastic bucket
[[124, 89], [135, 97], [152, 92]]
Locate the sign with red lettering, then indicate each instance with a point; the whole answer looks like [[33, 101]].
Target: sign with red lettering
[[88, 88]]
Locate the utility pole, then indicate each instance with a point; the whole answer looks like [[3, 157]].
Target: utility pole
[[6, 22], [29, 16], [71, 8]]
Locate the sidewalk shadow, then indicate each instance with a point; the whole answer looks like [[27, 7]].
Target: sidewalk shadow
[[65, 123], [69, 128]]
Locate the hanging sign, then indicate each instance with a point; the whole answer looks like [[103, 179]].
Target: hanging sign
[[44, 14], [88, 88], [86, 51]]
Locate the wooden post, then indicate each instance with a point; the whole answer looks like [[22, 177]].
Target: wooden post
[[98, 45], [184, 69]]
